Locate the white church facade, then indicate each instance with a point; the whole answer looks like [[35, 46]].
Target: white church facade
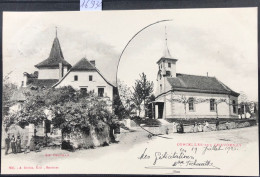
[[191, 96]]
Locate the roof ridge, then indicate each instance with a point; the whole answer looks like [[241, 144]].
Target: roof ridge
[[195, 75]]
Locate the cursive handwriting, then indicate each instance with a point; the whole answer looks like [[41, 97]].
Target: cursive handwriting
[[181, 158]]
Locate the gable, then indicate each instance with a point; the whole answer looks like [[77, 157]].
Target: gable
[[81, 67]]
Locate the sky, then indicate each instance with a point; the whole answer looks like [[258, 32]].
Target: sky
[[222, 42]]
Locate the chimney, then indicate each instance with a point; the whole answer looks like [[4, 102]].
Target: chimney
[[60, 71], [207, 74], [93, 62]]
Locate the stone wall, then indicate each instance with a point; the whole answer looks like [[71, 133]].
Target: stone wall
[[190, 128], [89, 139]]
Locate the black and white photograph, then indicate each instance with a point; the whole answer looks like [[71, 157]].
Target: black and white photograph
[[165, 92]]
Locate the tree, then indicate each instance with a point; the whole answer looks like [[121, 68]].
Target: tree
[[183, 100], [123, 102], [242, 99], [71, 109], [142, 89], [150, 109], [8, 90]]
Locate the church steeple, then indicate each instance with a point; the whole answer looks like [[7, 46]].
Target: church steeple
[[167, 53], [56, 31]]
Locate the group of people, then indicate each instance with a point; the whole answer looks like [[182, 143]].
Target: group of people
[[15, 144], [200, 127], [16, 147], [197, 127]]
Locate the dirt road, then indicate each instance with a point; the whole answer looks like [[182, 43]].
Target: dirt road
[[124, 157]]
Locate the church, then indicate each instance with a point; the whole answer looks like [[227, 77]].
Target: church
[[190, 96], [56, 72]]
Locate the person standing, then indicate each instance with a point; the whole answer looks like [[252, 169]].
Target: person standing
[[195, 127], [13, 145], [217, 124], [117, 132], [18, 144], [7, 144], [32, 143]]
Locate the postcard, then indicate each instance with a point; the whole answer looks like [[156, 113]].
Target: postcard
[[169, 92]]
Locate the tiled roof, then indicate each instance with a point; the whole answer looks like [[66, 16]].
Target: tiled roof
[[55, 57], [205, 84], [47, 83], [83, 65]]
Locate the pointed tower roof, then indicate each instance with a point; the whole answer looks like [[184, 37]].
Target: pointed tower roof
[[55, 57], [83, 65], [166, 53]]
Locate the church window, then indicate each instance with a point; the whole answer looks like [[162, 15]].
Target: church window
[[90, 78], [234, 106], [212, 104], [168, 73], [75, 78], [169, 65], [191, 104]]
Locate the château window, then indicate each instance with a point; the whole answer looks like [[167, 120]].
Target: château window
[[191, 104], [234, 106], [83, 90], [212, 104], [101, 92], [75, 78], [169, 65], [90, 78]]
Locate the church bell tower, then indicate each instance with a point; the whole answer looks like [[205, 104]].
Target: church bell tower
[[166, 68]]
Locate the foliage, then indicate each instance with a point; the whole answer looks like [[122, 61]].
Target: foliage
[[8, 90], [186, 100], [125, 96], [150, 111], [70, 108], [142, 90]]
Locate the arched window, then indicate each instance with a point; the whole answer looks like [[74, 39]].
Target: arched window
[[191, 104], [212, 104], [234, 106]]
